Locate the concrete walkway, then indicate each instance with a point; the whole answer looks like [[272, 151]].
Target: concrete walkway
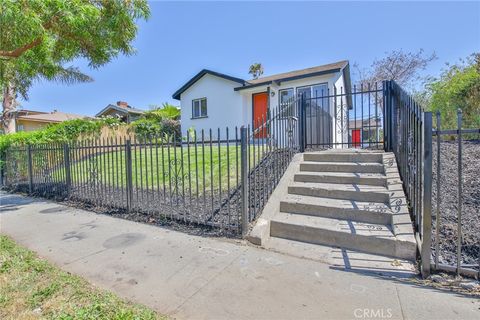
[[190, 277]]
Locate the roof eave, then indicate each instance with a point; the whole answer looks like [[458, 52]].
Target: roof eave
[[348, 84], [176, 95], [40, 120], [250, 86], [111, 106], [99, 114], [279, 81]]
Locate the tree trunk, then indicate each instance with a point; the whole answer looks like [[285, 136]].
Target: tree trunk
[[8, 108]]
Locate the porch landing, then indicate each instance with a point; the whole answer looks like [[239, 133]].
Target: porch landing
[[343, 207]]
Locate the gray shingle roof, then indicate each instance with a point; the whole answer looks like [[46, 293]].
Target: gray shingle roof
[[55, 116], [326, 68], [121, 109]]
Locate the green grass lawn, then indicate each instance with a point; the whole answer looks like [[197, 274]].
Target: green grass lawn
[[32, 288], [157, 167]]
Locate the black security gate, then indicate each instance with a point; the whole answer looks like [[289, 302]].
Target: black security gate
[[345, 118]]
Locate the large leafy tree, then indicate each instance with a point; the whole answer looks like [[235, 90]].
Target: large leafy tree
[[38, 38], [458, 87]]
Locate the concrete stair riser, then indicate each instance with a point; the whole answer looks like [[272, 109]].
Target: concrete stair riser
[[342, 167], [326, 178], [341, 199], [335, 213], [374, 245], [343, 157], [370, 196]]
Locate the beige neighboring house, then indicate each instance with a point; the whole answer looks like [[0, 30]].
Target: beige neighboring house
[[30, 120], [122, 111]]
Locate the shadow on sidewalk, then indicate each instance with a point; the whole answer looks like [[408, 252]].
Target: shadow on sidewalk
[[405, 277], [13, 202]]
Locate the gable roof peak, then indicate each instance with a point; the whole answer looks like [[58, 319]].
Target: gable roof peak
[[199, 75]]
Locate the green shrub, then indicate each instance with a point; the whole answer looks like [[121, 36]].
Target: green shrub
[[160, 122], [61, 132], [146, 127], [171, 127], [166, 112]]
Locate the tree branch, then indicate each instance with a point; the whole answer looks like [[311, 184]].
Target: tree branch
[[19, 51]]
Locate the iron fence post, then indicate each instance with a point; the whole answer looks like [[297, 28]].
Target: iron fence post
[[388, 116], [427, 195], [30, 169], [3, 164], [393, 141], [437, 215], [244, 178], [66, 159], [128, 165], [301, 127], [460, 200]]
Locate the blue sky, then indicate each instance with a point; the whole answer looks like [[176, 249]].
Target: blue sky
[[181, 38]]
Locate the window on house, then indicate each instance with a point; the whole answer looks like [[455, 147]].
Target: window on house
[[199, 108], [286, 97], [316, 99], [20, 127]]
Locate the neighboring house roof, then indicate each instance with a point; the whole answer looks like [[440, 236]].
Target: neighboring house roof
[[120, 108], [297, 74], [55, 116], [199, 75], [371, 122], [26, 112]]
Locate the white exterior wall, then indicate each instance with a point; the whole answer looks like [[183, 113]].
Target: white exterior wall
[[341, 124], [229, 108], [247, 94], [224, 106], [333, 81]]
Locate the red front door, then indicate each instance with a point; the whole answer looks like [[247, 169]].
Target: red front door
[[356, 139], [260, 107]]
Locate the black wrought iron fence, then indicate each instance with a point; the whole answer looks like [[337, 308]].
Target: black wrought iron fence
[[223, 178], [342, 118], [409, 134], [219, 178], [267, 149], [456, 198], [194, 180]]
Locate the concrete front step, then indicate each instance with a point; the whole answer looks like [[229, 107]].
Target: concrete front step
[[374, 179], [359, 211], [370, 238], [343, 157], [360, 167], [344, 259], [341, 191]]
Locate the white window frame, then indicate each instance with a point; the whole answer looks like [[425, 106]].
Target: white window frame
[[309, 110], [283, 112], [200, 114]]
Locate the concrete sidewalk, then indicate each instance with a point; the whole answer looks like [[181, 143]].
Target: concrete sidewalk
[[189, 277]]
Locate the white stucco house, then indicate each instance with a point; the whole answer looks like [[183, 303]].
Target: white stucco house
[[212, 100]]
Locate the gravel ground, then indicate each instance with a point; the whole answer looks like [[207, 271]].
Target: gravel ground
[[448, 233]]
